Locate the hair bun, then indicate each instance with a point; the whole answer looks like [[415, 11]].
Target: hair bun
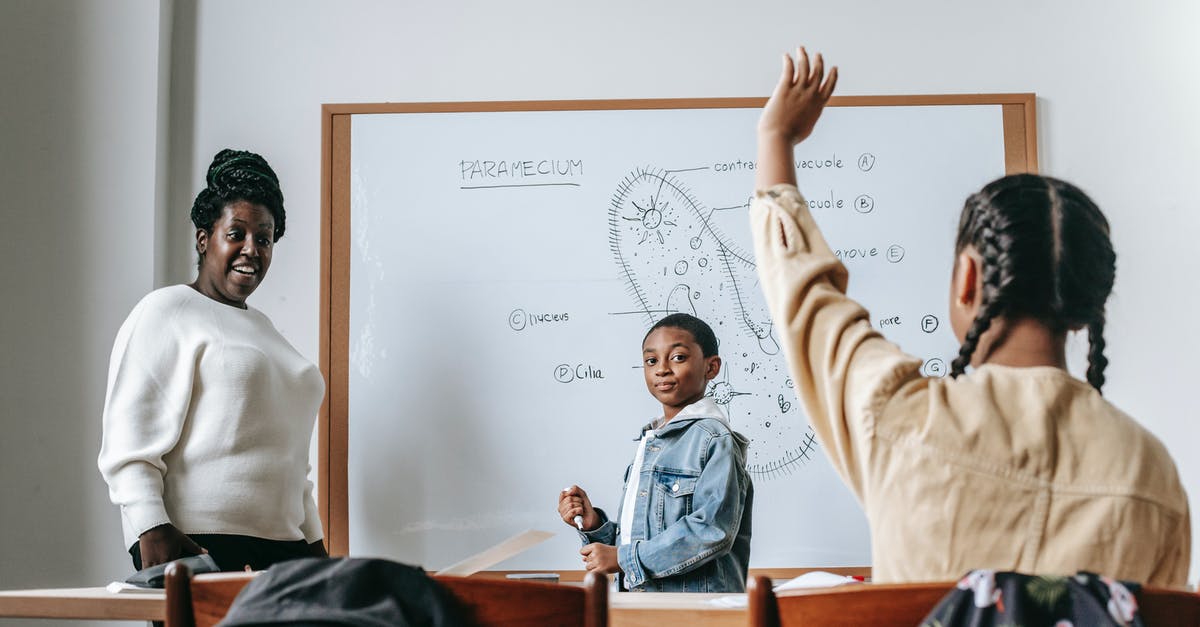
[[231, 169], [238, 175]]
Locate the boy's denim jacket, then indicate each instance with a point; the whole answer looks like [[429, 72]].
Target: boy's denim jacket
[[691, 522]]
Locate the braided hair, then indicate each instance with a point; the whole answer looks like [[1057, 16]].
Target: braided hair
[[238, 175], [1046, 255]]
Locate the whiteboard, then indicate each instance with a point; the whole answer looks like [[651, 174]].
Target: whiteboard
[[505, 265]]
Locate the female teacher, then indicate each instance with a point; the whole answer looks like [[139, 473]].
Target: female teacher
[[209, 410]]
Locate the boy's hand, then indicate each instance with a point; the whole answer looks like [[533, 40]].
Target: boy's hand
[[574, 502], [799, 98], [601, 558]]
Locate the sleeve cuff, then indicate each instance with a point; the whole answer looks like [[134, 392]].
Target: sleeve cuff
[[144, 516], [606, 533], [630, 565], [785, 195], [782, 197]]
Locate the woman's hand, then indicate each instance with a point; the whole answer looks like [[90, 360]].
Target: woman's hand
[[317, 549], [165, 543], [574, 502], [790, 115], [601, 558]]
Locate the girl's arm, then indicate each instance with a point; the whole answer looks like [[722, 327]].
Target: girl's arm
[[709, 531], [789, 117], [843, 370]]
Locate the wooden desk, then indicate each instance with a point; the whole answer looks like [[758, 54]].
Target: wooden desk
[[87, 603], [655, 609], [626, 609]]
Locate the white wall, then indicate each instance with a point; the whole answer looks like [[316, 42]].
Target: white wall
[[79, 148], [81, 143]]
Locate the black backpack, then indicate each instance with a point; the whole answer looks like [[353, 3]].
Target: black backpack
[[316, 591]]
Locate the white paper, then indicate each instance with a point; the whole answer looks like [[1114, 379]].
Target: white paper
[[815, 579], [120, 587], [735, 601]]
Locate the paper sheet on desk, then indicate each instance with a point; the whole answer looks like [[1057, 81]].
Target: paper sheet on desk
[[813, 579], [513, 546], [120, 587]]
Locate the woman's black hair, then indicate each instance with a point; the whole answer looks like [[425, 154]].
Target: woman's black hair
[[238, 175], [698, 328], [1046, 255]]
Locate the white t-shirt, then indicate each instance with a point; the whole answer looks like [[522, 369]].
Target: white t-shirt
[[706, 406], [635, 477]]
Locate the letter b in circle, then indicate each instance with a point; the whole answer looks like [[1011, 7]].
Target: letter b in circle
[[864, 204]]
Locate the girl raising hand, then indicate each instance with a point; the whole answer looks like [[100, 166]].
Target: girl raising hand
[[1011, 463]]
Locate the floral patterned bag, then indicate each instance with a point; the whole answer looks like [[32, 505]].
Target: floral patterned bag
[[987, 597]]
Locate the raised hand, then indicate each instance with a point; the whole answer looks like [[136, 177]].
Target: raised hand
[[790, 114]]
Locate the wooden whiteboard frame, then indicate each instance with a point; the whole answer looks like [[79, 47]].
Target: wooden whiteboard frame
[[1019, 113]]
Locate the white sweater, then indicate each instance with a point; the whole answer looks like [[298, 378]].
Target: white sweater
[[207, 421]]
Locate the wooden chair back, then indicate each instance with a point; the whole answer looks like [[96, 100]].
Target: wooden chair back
[[850, 605], [203, 600], [1162, 607], [503, 603], [906, 605]]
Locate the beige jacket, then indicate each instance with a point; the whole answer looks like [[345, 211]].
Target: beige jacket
[[1022, 469]]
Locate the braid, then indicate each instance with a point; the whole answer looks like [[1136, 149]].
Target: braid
[[1088, 269], [997, 276], [241, 166], [238, 175], [1045, 255], [1097, 362], [980, 326]]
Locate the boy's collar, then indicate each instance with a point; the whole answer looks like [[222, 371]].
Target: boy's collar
[[706, 407]]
